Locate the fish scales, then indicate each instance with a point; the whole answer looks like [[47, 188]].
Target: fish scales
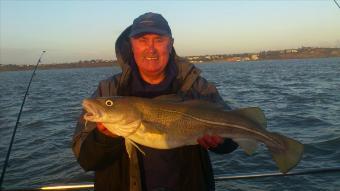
[[184, 119]]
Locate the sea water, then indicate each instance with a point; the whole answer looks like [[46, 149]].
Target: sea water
[[300, 98]]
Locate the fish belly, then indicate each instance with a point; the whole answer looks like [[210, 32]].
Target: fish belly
[[158, 139]]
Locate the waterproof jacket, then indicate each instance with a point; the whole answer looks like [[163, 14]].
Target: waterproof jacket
[[107, 156]]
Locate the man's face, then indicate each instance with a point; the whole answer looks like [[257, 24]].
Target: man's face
[[151, 53]]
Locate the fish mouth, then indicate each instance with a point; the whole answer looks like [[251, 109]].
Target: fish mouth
[[92, 112]]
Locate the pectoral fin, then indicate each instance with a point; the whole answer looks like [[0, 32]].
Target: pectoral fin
[[129, 144]]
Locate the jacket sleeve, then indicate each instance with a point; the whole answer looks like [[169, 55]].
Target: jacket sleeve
[[93, 149], [202, 89]]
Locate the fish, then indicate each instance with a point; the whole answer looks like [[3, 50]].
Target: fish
[[165, 124]]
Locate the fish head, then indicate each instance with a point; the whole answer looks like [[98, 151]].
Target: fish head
[[118, 114], [108, 110]]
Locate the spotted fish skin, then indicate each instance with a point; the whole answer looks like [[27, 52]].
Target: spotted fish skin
[[163, 124]]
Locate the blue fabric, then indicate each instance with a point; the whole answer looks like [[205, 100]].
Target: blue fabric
[[159, 168], [140, 88]]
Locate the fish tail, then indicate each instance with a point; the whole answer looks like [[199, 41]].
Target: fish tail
[[288, 157]]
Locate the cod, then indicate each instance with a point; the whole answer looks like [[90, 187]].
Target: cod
[[165, 124]]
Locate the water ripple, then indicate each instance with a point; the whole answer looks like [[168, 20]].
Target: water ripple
[[301, 99]]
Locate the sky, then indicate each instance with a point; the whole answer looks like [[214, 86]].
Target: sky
[[73, 30]]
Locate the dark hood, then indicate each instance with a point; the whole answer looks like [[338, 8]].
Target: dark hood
[[184, 71]]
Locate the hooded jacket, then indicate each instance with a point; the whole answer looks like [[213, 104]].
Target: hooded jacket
[[107, 156]]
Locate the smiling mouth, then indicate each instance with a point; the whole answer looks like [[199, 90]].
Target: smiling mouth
[[151, 58]]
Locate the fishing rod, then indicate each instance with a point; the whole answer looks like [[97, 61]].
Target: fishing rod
[[275, 174], [87, 186], [17, 123], [337, 3]]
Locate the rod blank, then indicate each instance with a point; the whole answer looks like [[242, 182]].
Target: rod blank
[[90, 186], [17, 123], [275, 174]]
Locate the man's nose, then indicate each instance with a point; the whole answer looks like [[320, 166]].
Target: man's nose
[[151, 47]]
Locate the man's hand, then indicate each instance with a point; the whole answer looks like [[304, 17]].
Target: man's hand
[[210, 141], [104, 130]]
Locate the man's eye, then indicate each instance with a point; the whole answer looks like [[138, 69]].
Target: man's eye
[[159, 40]]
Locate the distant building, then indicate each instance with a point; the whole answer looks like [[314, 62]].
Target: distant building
[[233, 59], [254, 57], [291, 51]]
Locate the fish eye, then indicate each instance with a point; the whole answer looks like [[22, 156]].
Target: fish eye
[[109, 103]]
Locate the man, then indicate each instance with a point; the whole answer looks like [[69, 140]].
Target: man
[[150, 68]]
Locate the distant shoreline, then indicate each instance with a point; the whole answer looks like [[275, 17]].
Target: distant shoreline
[[301, 53]]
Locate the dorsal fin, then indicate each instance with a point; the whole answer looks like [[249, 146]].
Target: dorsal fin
[[202, 104], [171, 98], [255, 114]]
